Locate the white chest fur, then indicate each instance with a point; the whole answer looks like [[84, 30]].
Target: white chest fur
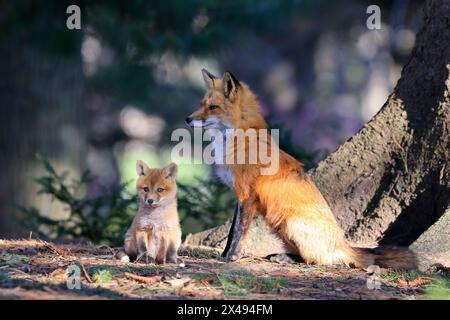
[[154, 219], [221, 169]]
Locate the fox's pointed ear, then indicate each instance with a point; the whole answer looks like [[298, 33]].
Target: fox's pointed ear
[[230, 85], [171, 170], [141, 168], [209, 78]]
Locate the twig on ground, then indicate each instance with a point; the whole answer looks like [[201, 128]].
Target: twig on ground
[[142, 279], [85, 273], [55, 249], [111, 250]]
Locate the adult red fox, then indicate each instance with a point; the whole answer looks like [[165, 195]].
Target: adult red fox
[[288, 199]]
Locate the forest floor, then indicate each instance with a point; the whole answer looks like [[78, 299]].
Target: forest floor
[[34, 269]]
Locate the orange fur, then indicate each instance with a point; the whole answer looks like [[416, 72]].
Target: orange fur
[[288, 200], [155, 234]]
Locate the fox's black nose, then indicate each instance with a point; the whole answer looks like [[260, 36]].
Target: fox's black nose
[[188, 120], [150, 201]]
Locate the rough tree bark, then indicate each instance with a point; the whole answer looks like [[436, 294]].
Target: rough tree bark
[[390, 182], [40, 97]]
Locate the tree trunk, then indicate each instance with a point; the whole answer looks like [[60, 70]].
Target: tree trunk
[[42, 111], [390, 182]]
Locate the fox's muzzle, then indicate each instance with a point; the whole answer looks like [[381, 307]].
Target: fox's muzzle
[[191, 122]]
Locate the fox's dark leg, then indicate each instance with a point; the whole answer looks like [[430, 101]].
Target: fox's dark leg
[[242, 220], [234, 230]]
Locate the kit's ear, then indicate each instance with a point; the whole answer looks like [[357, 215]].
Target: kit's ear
[[141, 168], [208, 78], [171, 170], [230, 85]]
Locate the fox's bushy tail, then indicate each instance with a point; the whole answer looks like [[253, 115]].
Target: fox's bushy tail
[[385, 257]]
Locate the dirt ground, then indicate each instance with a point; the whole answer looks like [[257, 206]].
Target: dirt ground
[[33, 269]]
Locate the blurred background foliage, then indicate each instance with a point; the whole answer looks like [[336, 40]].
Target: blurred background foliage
[[100, 98]]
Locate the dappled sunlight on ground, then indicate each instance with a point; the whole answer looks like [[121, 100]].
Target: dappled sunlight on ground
[[33, 269]]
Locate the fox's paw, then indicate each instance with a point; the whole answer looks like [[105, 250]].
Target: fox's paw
[[283, 258], [149, 259], [233, 256], [172, 260], [145, 258], [122, 256]]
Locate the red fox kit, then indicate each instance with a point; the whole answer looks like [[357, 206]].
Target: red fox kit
[[155, 234], [288, 199]]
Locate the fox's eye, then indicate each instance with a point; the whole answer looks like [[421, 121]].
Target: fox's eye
[[145, 189], [160, 189], [213, 107]]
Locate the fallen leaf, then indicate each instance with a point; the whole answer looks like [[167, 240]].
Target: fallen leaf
[[206, 281], [59, 274], [176, 283], [142, 279], [56, 249], [192, 291], [414, 283], [85, 273]]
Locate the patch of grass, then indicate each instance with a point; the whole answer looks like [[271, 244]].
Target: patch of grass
[[102, 276], [202, 276], [307, 268], [392, 276], [438, 289], [144, 269], [6, 259], [230, 287], [201, 253], [238, 283], [23, 258], [3, 276]]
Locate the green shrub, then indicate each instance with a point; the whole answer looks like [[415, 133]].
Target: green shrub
[[205, 204], [102, 276], [100, 219]]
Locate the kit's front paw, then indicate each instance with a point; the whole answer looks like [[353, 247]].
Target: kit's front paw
[[145, 258], [125, 258], [149, 259]]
